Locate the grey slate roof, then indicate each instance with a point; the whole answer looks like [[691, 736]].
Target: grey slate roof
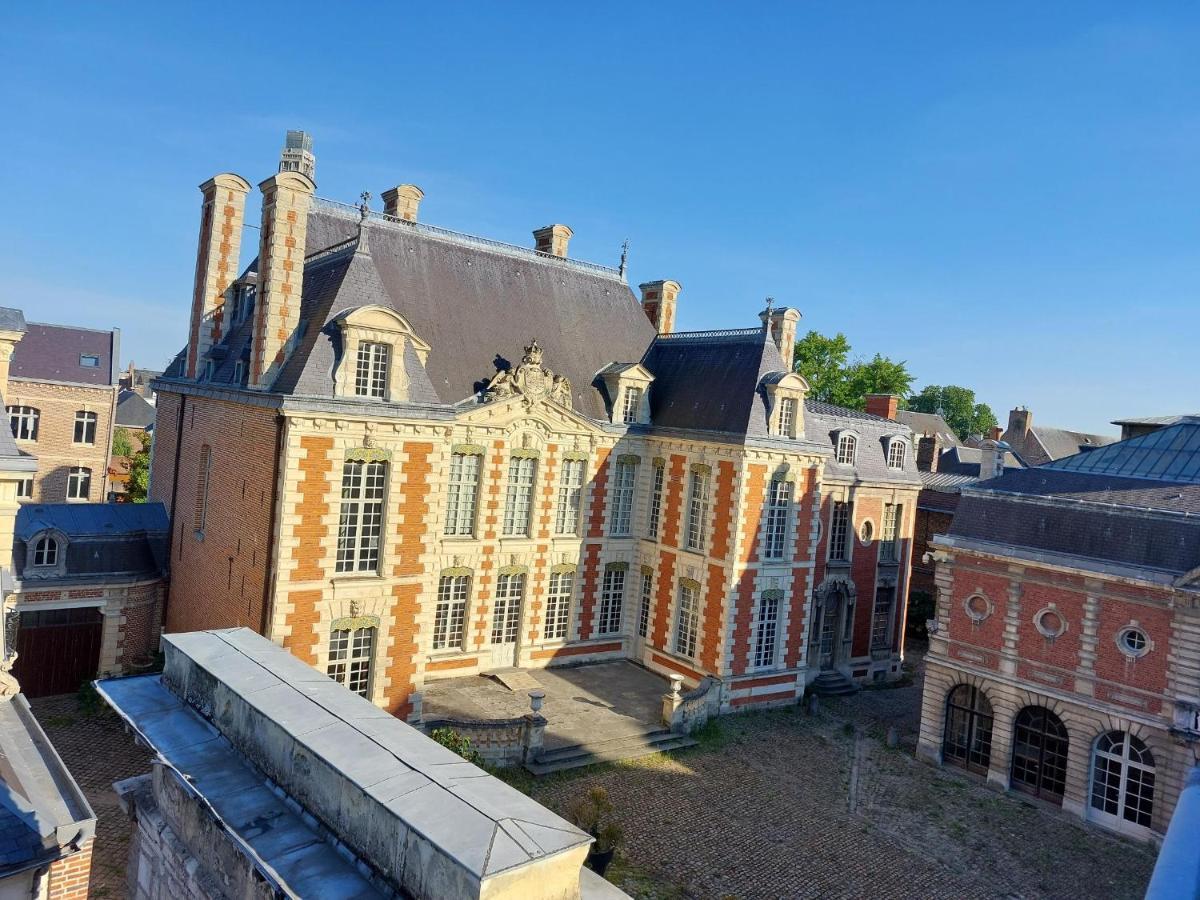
[[103, 539], [1156, 420], [52, 353], [1059, 442], [928, 423], [967, 460], [823, 421], [134, 411]]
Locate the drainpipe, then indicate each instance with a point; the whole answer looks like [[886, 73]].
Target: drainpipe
[[1177, 872]]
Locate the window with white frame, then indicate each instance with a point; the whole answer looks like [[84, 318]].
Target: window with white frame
[[881, 618], [570, 497], [1123, 778], [506, 609], [239, 373], [25, 488], [360, 522], [371, 369], [85, 427], [644, 607], [45, 551], [654, 518], [697, 524], [787, 416], [464, 494], [450, 615], [622, 498], [847, 449], [350, 653], [79, 483], [518, 496], [631, 405], [203, 478], [779, 507], [896, 451], [889, 539], [766, 628], [612, 600], [839, 531], [24, 422], [89, 360], [687, 620], [558, 605]]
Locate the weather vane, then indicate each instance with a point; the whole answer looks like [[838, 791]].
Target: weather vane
[[364, 208], [624, 257]]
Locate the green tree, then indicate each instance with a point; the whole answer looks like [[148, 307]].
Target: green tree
[[139, 474], [823, 363], [121, 445], [876, 376], [957, 406]]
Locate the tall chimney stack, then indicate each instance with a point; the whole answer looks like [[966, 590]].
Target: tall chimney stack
[[658, 303], [552, 240], [1019, 422], [222, 213], [929, 452], [286, 199], [403, 201]]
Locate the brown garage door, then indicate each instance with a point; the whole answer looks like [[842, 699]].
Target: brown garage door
[[59, 649]]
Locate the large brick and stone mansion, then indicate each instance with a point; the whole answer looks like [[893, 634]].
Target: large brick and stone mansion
[[406, 453]]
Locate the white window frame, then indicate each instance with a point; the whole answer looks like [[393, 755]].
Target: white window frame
[[45, 552], [462, 498], [570, 497], [698, 503], [889, 537], [79, 483], [897, 453], [647, 600], [450, 615], [881, 617], [612, 600], [631, 404], [1127, 765], [372, 367], [687, 621], [787, 416], [654, 514], [351, 658], [25, 488], [518, 496], [88, 421], [359, 546], [557, 626], [847, 448], [507, 608], [778, 520], [840, 530], [24, 420], [766, 629], [624, 479]]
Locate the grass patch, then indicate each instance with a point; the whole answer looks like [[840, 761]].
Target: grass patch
[[639, 883]]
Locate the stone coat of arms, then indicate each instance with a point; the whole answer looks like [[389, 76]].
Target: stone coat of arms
[[531, 380]]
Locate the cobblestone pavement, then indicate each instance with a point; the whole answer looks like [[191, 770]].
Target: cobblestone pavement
[[97, 751]]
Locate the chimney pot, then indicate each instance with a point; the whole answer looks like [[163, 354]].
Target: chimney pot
[[659, 299], [403, 201], [883, 405], [552, 240]]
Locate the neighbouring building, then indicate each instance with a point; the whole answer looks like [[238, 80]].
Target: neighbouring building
[[406, 453], [140, 381], [60, 392], [270, 781], [1040, 444], [1064, 658], [1146, 424]]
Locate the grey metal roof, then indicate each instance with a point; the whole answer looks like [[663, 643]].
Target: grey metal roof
[[1171, 453], [91, 519], [52, 353], [1155, 420], [928, 423], [11, 319], [103, 539], [967, 461], [823, 421], [134, 411]]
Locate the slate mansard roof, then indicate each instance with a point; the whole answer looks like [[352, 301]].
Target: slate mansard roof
[[103, 539], [823, 423], [54, 352]]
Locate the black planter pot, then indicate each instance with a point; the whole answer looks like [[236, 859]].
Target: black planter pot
[[598, 861]]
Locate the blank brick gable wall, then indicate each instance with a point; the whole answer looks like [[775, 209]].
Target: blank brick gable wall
[[217, 581]]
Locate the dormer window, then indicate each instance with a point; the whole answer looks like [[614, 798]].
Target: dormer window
[[785, 403], [45, 552], [632, 405], [628, 387], [787, 416], [896, 452], [371, 373], [847, 449]]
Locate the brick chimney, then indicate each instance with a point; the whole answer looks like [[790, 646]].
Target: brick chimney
[[552, 240], [994, 433], [222, 213], [659, 299], [883, 405], [782, 324], [929, 451], [403, 201], [1020, 420], [286, 199]]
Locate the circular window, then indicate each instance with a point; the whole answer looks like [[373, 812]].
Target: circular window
[[978, 607], [1050, 623], [867, 533], [1133, 641]]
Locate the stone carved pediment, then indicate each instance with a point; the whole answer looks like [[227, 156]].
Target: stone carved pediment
[[531, 381]]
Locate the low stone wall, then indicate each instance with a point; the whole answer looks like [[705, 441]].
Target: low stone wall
[[684, 713], [503, 742]]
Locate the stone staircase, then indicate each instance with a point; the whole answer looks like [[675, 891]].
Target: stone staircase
[[833, 684], [519, 681], [627, 746]]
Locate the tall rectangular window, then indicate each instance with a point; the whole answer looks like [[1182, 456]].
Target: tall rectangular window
[[570, 497], [644, 608], [558, 605], [632, 405], [85, 427], [79, 483], [697, 510], [687, 621], [464, 493], [451, 613], [24, 422], [896, 454], [881, 620], [889, 539], [518, 497], [506, 610], [350, 653], [779, 509], [787, 417], [25, 488], [622, 498], [371, 371], [839, 531], [612, 600], [656, 492], [766, 631], [203, 477], [360, 522]]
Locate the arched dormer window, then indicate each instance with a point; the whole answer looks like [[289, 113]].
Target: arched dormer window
[[45, 552], [785, 404], [847, 448], [897, 452], [374, 342]]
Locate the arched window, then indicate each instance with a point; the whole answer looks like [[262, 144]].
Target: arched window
[[1039, 764], [847, 449], [45, 551], [968, 738], [79, 483], [1122, 780], [896, 452]]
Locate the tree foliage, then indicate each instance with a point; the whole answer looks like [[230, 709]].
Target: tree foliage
[[957, 406], [139, 474], [823, 361], [121, 445]]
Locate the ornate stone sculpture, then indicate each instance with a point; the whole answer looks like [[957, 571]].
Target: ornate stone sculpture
[[531, 380]]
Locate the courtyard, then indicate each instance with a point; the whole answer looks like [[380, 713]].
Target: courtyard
[[768, 805]]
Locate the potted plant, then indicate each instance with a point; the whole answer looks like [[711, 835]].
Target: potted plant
[[593, 814]]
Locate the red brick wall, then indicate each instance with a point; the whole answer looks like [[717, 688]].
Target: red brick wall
[[671, 530], [591, 549], [754, 493], [801, 589], [69, 877], [218, 582], [138, 636]]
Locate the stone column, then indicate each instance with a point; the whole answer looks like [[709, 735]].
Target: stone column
[[672, 699]]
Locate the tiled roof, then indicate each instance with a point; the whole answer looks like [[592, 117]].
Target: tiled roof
[[134, 411], [53, 353], [928, 423], [1059, 442]]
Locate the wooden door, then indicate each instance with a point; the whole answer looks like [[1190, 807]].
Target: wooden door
[[58, 650]]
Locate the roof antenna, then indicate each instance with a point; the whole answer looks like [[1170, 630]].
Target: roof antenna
[[624, 258], [364, 210]]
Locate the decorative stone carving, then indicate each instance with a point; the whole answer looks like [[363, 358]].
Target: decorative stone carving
[[531, 380]]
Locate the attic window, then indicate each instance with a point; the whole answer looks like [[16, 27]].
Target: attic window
[[896, 450], [371, 374], [847, 449], [89, 360], [633, 404], [45, 552]]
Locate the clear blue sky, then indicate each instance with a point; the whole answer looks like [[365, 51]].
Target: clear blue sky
[[1005, 195]]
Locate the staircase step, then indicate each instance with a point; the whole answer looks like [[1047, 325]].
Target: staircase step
[[516, 680], [636, 739], [588, 758]]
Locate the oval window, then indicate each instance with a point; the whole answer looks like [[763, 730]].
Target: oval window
[[1050, 623], [1133, 642], [866, 532]]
